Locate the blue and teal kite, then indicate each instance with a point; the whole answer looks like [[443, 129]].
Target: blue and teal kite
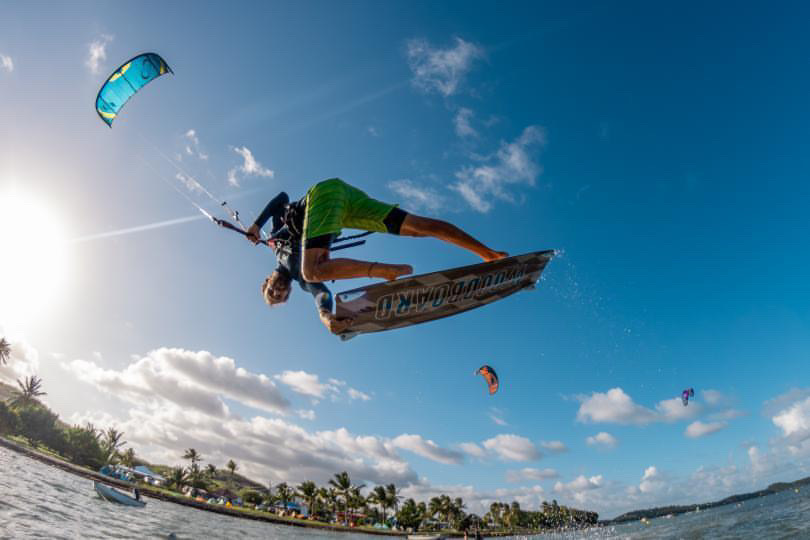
[[126, 81]]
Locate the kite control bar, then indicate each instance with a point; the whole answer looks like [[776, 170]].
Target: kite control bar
[[228, 225]]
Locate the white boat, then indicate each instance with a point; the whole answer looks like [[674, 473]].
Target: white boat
[[114, 496], [425, 537]]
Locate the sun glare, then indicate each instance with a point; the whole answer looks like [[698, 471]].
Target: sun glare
[[33, 258]]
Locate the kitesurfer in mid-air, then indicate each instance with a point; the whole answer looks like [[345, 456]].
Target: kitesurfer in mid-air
[[303, 232]]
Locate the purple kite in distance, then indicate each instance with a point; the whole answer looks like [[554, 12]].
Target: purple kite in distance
[[686, 394]]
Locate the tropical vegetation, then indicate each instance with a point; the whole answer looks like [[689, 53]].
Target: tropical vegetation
[[340, 501]]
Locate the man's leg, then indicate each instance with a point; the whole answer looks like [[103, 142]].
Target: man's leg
[[422, 226], [316, 266]]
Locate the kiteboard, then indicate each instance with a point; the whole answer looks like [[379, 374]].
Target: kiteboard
[[428, 297]]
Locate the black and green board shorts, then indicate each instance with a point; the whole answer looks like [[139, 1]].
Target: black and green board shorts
[[333, 205]]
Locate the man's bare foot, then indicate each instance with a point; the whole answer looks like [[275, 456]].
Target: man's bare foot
[[495, 255], [391, 271]]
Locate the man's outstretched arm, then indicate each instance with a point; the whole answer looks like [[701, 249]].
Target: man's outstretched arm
[[275, 210], [323, 301]]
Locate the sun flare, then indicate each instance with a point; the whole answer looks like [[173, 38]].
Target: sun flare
[[33, 258]]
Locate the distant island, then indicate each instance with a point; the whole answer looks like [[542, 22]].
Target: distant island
[[650, 513]]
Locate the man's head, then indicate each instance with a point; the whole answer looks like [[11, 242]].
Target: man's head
[[276, 288]]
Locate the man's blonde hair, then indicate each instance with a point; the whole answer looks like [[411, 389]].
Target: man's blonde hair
[[267, 288]]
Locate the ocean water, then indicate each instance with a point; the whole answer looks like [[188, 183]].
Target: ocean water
[[785, 515], [39, 501]]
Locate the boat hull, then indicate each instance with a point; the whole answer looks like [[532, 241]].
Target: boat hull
[[114, 496]]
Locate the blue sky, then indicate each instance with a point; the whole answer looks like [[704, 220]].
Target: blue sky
[[661, 149]]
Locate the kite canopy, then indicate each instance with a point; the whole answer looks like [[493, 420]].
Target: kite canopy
[[126, 81], [686, 394], [491, 377]]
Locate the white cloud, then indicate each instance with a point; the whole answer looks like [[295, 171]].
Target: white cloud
[[794, 420], [602, 438], [554, 446], [781, 402], [196, 380], [193, 145], [417, 197], [472, 449], [441, 70], [700, 429], [578, 487], [176, 399], [427, 449], [373, 131], [6, 63], [758, 463], [22, 362], [263, 447], [357, 394], [673, 410], [462, 123], [97, 53], [512, 164], [307, 384], [713, 397], [249, 167], [651, 480], [529, 473], [511, 447], [614, 406]]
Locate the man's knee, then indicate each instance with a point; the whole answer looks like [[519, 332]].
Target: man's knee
[[311, 268], [311, 272]]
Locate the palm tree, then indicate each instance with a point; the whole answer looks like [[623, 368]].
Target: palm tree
[[309, 492], [231, 466], [447, 507], [393, 496], [128, 458], [342, 484], [30, 389], [5, 351], [177, 478], [210, 471], [356, 499], [456, 511], [514, 514], [284, 493], [194, 471], [434, 507], [193, 455], [111, 442], [379, 496], [329, 497]]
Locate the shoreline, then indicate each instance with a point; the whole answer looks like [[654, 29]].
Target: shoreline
[[255, 515], [185, 501]]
